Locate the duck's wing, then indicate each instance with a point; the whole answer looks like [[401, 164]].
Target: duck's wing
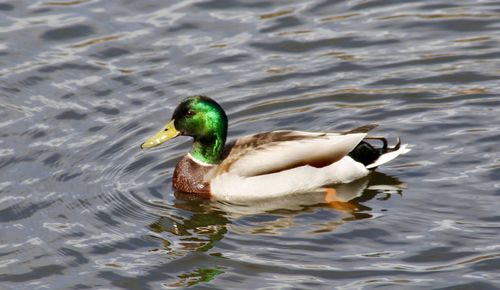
[[281, 150]]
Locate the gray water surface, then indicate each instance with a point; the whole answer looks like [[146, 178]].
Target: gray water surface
[[84, 83]]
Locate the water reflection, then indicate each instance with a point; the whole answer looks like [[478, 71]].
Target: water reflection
[[200, 275], [200, 231], [206, 222], [198, 225]]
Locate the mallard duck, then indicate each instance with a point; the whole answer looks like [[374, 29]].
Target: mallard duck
[[265, 165]]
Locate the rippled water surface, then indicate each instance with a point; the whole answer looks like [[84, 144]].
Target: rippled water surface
[[83, 83]]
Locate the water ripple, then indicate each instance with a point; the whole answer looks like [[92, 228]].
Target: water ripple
[[83, 82]]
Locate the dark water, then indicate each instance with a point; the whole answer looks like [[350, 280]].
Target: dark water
[[83, 83]]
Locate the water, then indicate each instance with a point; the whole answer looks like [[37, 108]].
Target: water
[[83, 83]]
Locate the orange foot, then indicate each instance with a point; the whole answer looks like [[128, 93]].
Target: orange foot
[[331, 199]]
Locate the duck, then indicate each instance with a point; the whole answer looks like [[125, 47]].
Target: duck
[[266, 165]]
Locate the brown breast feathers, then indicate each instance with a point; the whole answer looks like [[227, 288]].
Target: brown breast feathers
[[188, 177]]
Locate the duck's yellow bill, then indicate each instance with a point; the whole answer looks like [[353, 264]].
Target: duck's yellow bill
[[165, 134]]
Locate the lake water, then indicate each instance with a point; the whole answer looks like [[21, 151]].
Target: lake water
[[83, 83]]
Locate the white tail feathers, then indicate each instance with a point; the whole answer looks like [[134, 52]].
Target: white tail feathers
[[386, 157]]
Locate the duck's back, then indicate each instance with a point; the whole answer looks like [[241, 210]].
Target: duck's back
[[272, 152]]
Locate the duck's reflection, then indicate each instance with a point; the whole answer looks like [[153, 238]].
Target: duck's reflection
[[198, 231], [202, 223]]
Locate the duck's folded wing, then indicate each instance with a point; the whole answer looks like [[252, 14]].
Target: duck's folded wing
[[276, 151]]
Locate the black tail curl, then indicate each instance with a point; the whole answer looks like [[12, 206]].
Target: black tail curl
[[367, 153]]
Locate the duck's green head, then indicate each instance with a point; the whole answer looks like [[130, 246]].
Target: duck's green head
[[201, 118]]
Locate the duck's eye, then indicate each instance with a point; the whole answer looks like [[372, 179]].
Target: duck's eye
[[190, 113]]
